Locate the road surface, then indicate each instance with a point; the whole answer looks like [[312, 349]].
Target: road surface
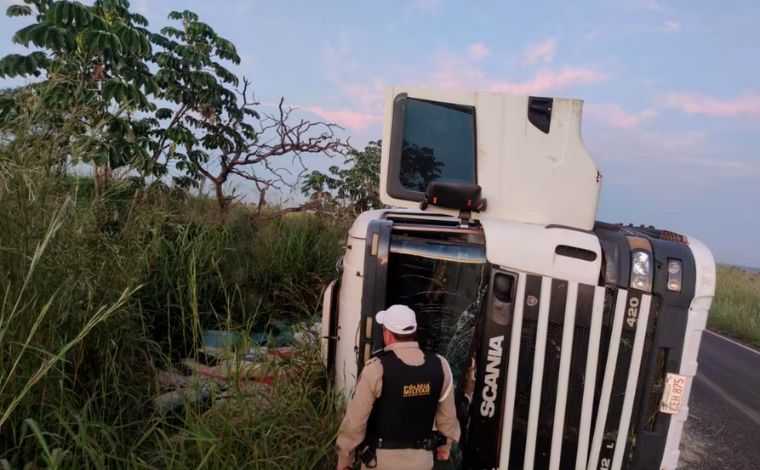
[[723, 429]]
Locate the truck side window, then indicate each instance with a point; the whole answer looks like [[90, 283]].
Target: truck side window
[[438, 144]]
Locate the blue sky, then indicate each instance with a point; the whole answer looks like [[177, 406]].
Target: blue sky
[[671, 88]]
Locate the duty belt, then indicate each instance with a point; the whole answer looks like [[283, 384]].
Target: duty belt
[[428, 444]]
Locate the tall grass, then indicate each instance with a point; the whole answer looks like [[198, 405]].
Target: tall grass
[[22, 356], [100, 290], [735, 309], [290, 426]]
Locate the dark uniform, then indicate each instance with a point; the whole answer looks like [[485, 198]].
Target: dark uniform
[[400, 396]]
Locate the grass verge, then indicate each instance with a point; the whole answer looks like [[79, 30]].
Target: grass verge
[[97, 294], [735, 310]]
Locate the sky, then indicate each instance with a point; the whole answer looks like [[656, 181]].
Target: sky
[[671, 88]]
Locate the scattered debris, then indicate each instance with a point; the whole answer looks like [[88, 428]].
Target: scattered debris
[[189, 394], [228, 365]]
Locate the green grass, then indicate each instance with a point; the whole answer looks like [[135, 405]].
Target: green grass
[[291, 428], [98, 293], [91, 310], [735, 309]]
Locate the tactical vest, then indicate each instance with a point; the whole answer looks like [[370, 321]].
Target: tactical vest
[[403, 415]]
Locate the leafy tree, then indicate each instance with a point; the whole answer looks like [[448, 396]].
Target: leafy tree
[[96, 58], [213, 130], [199, 90], [92, 57], [354, 187]]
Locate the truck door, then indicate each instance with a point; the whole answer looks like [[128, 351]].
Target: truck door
[[374, 289], [444, 280]]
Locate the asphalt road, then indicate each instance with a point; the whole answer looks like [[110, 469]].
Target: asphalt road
[[723, 429]]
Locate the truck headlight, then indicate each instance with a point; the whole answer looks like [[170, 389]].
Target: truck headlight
[[675, 275], [641, 270]]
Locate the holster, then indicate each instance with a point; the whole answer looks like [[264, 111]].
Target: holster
[[367, 455], [438, 440]]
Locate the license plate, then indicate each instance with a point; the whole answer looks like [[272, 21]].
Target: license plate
[[672, 395]]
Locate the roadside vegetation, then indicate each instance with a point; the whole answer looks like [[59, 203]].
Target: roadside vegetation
[[100, 292], [121, 242], [736, 307]]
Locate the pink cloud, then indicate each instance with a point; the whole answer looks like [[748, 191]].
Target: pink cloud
[[550, 81], [670, 26], [747, 105], [615, 116], [462, 72], [366, 95], [479, 51], [453, 71], [362, 103], [354, 120], [542, 52]]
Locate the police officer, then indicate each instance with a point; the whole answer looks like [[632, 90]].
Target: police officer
[[400, 395]]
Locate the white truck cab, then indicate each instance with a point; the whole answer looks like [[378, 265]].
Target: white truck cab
[[572, 342]]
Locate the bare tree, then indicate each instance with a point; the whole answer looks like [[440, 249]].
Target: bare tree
[[212, 130], [259, 160]]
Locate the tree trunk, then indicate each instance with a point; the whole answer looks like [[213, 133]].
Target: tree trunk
[[221, 199], [262, 200], [100, 179]]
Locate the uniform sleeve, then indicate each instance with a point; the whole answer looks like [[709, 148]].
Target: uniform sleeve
[[446, 415], [354, 425]]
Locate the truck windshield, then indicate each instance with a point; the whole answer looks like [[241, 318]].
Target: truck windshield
[[441, 282]]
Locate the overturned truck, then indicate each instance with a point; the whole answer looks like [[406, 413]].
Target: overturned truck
[[573, 342]]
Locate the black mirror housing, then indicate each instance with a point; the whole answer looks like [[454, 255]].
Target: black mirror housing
[[460, 196]]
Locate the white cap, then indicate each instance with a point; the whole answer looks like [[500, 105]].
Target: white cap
[[398, 319]]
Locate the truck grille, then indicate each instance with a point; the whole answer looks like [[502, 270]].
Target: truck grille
[[573, 374]]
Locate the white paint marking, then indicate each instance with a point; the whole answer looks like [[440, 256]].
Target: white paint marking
[[732, 341], [748, 412]]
